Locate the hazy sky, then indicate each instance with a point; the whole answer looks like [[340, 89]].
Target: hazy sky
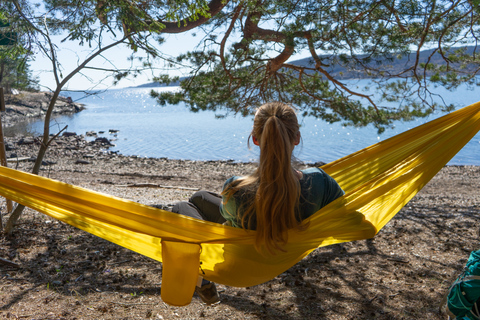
[[70, 55]]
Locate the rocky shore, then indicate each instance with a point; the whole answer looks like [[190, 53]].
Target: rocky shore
[[33, 105], [64, 273]]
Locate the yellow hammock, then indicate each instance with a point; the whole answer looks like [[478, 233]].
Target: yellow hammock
[[378, 181]]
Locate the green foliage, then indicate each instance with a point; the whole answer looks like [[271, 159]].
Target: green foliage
[[137, 19], [98, 24], [16, 73], [136, 294], [248, 65], [245, 57], [14, 65]]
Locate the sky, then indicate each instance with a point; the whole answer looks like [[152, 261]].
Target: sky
[[70, 54]]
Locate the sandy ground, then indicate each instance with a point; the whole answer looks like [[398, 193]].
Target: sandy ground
[[65, 273]]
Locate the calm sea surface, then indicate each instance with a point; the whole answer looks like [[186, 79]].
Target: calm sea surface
[[149, 130]]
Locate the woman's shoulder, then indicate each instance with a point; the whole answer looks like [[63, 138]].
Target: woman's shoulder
[[230, 180], [313, 171], [319, 187], [316, 176]]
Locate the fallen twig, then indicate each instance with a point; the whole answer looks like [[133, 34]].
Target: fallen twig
[[133, 304], [9, 263], [152, 185], [119, 262], [397, 260], [16, 279], [19, 159]]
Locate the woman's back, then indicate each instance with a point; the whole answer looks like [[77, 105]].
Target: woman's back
[[317, 189]]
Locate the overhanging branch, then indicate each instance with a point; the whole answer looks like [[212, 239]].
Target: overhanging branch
[[215, 6]]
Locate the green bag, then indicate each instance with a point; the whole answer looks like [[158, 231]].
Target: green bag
[[463, 299]]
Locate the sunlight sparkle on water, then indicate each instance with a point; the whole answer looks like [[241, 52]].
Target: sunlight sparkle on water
[[126, 109]]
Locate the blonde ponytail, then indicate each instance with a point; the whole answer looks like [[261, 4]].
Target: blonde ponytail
[[274, 184]]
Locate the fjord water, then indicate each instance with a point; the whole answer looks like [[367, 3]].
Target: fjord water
[[147, 129]]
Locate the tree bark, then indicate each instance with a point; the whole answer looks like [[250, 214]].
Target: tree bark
[[38, 162], [3, 156], [177, 27]]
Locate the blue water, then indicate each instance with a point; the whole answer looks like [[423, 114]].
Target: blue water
[[149, 130]]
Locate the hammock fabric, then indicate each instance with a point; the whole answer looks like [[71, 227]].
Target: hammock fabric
[[378, 181]]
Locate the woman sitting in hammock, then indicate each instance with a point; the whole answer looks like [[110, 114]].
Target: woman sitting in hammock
[[274, 198]]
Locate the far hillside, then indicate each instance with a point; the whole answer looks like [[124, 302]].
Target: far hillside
[[397, 65], [335, 68]]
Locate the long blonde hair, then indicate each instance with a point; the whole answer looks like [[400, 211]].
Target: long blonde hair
[[274, 186]]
